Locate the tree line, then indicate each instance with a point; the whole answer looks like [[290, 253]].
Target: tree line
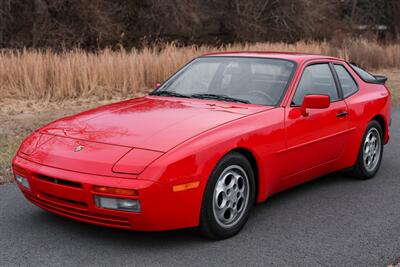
[[94, 24]]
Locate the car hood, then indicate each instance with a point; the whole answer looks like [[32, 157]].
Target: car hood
[[154, 123]]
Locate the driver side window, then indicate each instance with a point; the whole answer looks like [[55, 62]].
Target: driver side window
[[317, 79]]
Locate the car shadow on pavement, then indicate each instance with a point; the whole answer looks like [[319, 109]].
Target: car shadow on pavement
[[112, 234], [262, 212]]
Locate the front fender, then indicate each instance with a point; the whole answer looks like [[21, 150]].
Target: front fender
[[262, 134]]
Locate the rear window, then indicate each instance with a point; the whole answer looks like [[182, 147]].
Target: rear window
[[364, 75]]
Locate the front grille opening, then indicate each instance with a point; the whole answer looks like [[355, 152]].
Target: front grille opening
[[66, 201], [59, 181], [96, 218]]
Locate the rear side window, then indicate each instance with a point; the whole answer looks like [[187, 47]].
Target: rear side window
[[364, 75], [347, 82], [316, 80]]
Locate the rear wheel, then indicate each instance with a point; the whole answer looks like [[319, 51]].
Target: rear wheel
[[370, 153], [228, 197]]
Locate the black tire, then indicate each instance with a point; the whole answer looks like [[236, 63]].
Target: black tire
[[212, 227], [360, 169]]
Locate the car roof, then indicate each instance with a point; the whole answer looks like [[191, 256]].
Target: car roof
[[294, 56]]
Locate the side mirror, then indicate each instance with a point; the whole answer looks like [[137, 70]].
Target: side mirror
[[315, 102], [157, 85]]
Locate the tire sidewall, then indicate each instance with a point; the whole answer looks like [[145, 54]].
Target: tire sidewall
[[208, 222]]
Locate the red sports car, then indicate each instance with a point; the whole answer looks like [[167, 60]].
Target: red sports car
[[223, 133]]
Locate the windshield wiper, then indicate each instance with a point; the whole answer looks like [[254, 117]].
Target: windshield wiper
[[200, 96], [169, 93], [220, 97]]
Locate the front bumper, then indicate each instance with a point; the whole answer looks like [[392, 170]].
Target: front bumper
[[69, 194]]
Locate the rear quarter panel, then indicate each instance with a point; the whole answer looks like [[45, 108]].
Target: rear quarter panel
[[370, 101]]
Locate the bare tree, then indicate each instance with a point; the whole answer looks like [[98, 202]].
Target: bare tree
[[94, 24]]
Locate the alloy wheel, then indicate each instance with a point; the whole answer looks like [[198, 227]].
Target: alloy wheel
[[231, 196]]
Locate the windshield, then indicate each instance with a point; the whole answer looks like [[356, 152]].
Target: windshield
[[260, 81]]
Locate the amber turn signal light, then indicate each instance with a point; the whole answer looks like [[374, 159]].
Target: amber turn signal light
[[183, 187], [115, 191], [19, 170]]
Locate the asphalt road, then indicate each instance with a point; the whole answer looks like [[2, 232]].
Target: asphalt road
[[332, 221]]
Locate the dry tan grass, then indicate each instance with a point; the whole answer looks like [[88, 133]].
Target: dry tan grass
[[57, 76], [393, 82], [18, 118], [40, 86]]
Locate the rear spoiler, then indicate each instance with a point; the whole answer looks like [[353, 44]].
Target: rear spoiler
[[381, 79]]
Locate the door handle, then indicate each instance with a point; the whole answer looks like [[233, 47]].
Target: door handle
[[341, 114]]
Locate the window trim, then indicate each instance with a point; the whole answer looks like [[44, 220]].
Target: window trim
[[340, 84], [337, 82], [301, 76]]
